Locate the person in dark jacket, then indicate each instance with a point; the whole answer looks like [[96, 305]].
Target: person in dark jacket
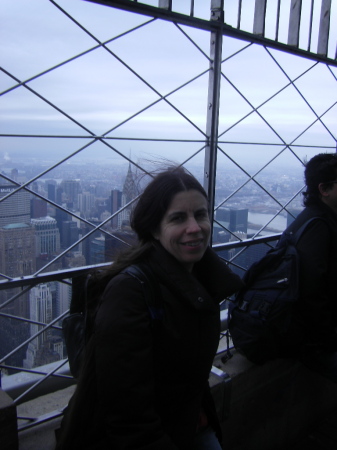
[[147, 389], [316, 315]]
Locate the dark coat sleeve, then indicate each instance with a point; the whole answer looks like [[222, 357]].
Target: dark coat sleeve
[[314, 249], [124, 369]]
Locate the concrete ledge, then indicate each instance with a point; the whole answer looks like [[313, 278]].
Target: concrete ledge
[[21, 382], [265, 407], [8, 423], [271, 406]]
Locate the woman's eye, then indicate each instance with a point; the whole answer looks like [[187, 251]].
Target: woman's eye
[[201, 214], [177, 218]]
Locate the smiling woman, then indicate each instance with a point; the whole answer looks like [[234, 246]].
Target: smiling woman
[[136, 389], [185, 228]]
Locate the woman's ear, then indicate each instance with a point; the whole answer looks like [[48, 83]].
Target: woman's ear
[[323, 189], [155, 234]]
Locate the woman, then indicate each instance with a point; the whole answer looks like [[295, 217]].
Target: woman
[[149, 390]]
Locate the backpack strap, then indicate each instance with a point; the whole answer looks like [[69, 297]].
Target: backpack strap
[[295, 237], [151, 290]]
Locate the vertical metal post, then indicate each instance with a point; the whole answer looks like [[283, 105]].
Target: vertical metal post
[[166, 4], [259, 17], [213, 103], [294, 22], [324, 26]]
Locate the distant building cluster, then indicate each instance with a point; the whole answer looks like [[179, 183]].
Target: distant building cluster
[[33, 234]]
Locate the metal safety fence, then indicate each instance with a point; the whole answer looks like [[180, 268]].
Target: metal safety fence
[[97, 95]]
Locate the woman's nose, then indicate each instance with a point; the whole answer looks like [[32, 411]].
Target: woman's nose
[[193, 225]]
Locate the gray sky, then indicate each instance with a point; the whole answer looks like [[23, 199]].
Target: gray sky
[[99, 92]]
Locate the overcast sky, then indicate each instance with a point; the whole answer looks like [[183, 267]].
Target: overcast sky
[[100, 92]]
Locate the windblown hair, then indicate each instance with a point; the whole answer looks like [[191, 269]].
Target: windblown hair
[[322, 168], [150, 210]]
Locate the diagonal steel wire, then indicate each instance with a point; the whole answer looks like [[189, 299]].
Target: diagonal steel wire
[[191, 40], [35, 385], [14, 297], [266, 101], [252, 177], [24, 319], [129, 68], [73, 58], [78, 123], [298, 90], [31, 338], [34, 372], [256, 110], [99, 138]]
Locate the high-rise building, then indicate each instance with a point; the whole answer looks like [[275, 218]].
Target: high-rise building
[[40, 310], [17, 258], [59, 195], [71, 189], [62, 298], [38, 208], [16, 208], [17, 250], [235, 219], [116, 203], [129, 193], [86, 202], [15, 174], [51, 192], [69, 234], [47, 236]]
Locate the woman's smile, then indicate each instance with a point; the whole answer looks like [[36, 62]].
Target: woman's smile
[[185, 228]]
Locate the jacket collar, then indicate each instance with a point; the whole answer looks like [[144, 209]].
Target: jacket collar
[[210, 281]]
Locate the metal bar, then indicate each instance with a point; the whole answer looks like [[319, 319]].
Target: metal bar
[[213, 104], [294, 22], [324, 26], [202, 24], [192, 8], [33, 422], [310, 24], [300, 93], [31, 338], [239, 14], [246, 242], [259, 17], [165, 4], [277, 19], [38, 382]]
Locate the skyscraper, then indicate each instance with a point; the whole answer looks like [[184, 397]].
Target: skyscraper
[[38, 208], [16, 208], [40, 307], [71, 189], [17, 250], [116, 203], [129, 192], [17, 258], [47, 236]]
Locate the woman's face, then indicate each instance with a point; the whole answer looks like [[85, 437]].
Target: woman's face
[[185, 228]]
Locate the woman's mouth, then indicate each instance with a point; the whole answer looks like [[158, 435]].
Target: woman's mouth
[[194, 243]]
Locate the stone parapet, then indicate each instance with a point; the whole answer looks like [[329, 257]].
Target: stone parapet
[[269, 407], [8, 423]]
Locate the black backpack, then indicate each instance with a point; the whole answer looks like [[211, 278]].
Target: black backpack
[[78, 326], [261, 314]]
